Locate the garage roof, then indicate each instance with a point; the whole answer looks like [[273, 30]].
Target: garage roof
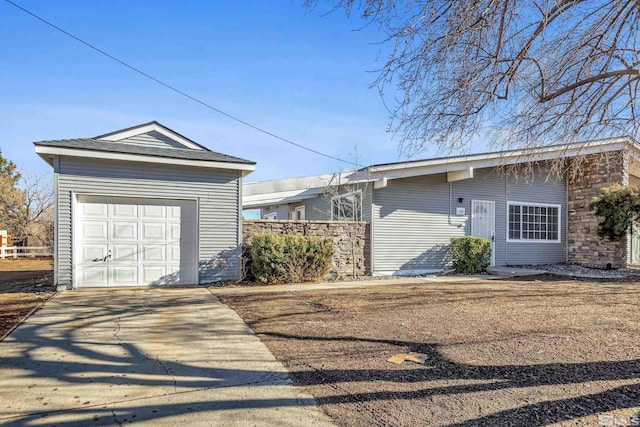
[[149, 142], [115, 147]]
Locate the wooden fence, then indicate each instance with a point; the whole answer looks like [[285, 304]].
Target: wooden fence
[[24, 251]]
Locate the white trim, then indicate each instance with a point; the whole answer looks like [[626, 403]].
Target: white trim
[[240, 236], [293, 215], [534, 204], [269, 199], [117, 136], [306, 183], [341, 196], [56, 225], [74, 239], [270, 216], [511, 157], [460, 175], [72, 152], [300, 209], [381, 183], [197, 201]]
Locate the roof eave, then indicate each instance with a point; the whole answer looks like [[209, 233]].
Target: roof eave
[[46, 152], [513, 156]]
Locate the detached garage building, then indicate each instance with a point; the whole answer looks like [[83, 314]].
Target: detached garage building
[[144, 206]]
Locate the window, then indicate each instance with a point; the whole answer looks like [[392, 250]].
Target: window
[[347, 207], [297, 214], [272, 215], [534, 222]]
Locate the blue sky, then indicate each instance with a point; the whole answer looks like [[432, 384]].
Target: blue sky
[[300, 74]]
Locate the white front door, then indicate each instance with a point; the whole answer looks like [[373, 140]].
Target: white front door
[[483, 223], [129, 242], [635, 242]]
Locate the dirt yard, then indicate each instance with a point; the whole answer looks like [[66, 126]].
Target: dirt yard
[[24, 285], [502, 353]]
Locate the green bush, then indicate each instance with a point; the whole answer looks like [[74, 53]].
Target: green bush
[[288, 258], [470, 255], [618, 206]]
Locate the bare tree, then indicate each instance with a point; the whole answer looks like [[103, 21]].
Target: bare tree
[[345, 192], [520, 74], [38, 224], [27, 212]]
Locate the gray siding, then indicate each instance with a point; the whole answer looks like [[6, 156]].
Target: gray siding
[[412, 228], [539, 189], [319, 208], [152, 139], [282, 211], [216, 190]]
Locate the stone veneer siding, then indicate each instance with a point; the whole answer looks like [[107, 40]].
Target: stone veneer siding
[[597, 171], [351, 240]]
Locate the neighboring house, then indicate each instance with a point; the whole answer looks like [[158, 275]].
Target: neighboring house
[[144, 206], [416, 207]]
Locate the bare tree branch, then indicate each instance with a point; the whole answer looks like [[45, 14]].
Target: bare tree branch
[[516, 73]]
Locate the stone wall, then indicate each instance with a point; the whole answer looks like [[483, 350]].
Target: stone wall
[[597, 171], [351, 240]]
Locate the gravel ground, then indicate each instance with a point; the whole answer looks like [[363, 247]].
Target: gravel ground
[[586, 272], [506, 352]]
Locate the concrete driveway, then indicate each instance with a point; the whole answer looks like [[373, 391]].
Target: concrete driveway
[[150, 356]]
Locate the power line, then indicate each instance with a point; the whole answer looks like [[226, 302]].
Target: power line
[[174, 89]]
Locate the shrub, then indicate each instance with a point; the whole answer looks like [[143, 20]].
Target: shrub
[[618, 206], [470, 255], [290, 258]]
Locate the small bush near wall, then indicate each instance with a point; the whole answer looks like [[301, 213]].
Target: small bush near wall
[[290, 258], [470, 255]]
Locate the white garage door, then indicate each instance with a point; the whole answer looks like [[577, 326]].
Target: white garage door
[[132, 242]]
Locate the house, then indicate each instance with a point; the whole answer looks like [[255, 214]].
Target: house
[[415, 207], [144, 206]]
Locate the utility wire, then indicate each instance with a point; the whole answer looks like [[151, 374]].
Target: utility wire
[[174, 89]]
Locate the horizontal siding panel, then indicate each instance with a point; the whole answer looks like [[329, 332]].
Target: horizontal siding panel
[[152, 139], [216, 191], [411, 229]]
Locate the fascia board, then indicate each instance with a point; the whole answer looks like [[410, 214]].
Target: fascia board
[[307, 183], [248, 202], [477, 162], [57, 151], [281, 197]]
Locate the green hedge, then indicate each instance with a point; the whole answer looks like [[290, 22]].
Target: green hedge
[[618, 206], [288, 258], [470, 255]]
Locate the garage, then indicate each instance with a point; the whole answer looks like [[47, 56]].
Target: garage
[[144, 206], [134, 242]]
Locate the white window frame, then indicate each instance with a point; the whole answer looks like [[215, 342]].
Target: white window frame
[[299, 213], [342, 196], [542, 205], [271, 215]]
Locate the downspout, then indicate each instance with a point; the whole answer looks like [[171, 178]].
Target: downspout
[[506, 205], [566, 218], [56, 204], [372, 245], [239, 259], [450, 194]]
